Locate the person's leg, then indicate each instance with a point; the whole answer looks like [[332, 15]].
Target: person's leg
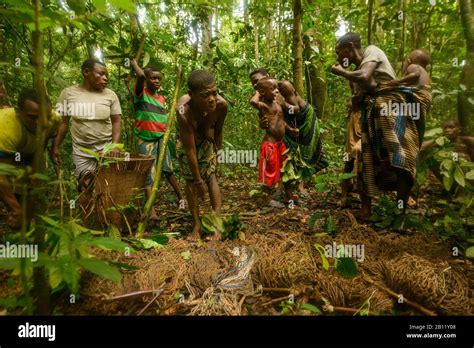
[[366, 207], [216, 199], [302, 189], [346, 184], [191, 196], [174, 184], [6, 192], [404, 185]]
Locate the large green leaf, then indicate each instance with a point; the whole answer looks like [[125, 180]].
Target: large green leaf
[[102, 269], [322, 252], [459, 175], [346, 267], [107, 243]]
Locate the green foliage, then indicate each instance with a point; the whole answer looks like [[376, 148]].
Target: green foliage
[[295, 169], [329, 224], [69, 251], [228, 226]]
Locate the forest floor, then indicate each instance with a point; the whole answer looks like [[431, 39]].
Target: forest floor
[[274, 267]]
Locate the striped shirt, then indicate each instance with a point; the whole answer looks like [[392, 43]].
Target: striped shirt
[[151, 118]]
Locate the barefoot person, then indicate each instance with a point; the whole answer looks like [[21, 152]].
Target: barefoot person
[[96, 114], [272, 148], [391, 136], [298, 114], [200, 121], [151, 121]]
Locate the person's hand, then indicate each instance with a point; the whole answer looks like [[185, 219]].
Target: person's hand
[[279, 99], [264, 122], [337, 69], [294, 132], [14, 220], [200, 188], [55, 155], [115, 152]]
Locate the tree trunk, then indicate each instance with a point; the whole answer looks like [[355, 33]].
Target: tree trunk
[[315, 75], [369, 22], [206, 31], [466, 96], [403, 21], [297, 48], [246, 12], [40, 282], [256, 36]]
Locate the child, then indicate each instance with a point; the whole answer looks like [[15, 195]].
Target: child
[[414, 70], [200, 120], [150, 125], [272, 148]]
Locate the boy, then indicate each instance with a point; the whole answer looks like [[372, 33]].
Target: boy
[[414, 70], [150, 125], [200, 121], [272, 148]]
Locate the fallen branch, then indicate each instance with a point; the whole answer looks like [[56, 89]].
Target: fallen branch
[[135, 293], [405, 300], [159, 292]]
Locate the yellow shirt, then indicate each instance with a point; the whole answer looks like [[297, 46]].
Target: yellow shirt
[[14, 137]]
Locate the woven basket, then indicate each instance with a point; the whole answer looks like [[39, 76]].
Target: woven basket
[[113, 198]]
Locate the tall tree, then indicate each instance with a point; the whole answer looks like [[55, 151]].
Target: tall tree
[[297, 48], [466, 96]]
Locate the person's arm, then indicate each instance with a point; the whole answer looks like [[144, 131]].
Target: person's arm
[[294, 132], [140, 78], [116, 122], [218, 130], [186, 135], [255, 101], [8, 196], [362, 76], [411, 78], [427, 144], [288, 91], [63, 129]]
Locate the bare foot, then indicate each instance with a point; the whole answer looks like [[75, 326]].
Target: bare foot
[[153, 215], [195, 235], [276, 204], [344, 202], [215, 236], [362, 215]]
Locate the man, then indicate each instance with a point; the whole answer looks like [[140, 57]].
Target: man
[[18, 144], [151, 121], [96, 115], [200, 120], [391, 138]]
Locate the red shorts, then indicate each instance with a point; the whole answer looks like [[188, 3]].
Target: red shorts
[[271, 160]]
